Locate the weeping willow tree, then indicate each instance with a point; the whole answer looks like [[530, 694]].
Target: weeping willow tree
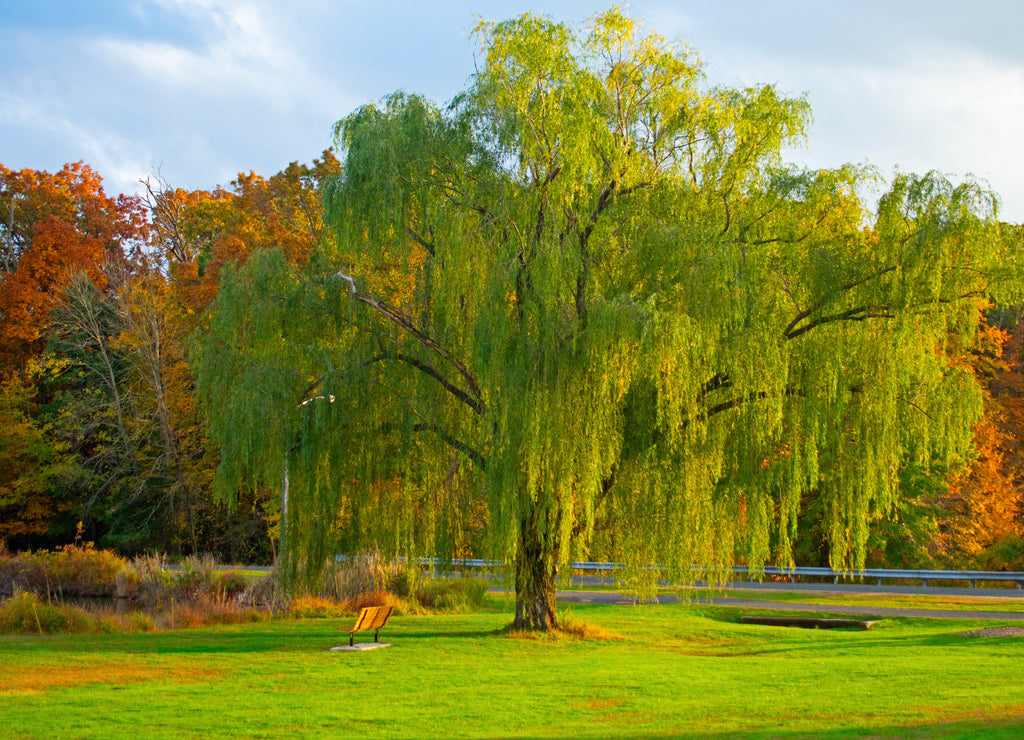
[[589, 301]]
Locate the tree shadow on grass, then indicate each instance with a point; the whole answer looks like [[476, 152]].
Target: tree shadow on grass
[[314, 635], [989, 728], [251, 638]]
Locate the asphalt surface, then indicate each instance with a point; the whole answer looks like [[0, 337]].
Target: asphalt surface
[[605, 597], [812, 590]]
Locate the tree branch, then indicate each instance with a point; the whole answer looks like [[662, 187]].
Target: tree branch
[[395, 317], [604, 200], [473, 455], [860, 313], [789, 392], [790, 331], [478, 406], [429, 246]]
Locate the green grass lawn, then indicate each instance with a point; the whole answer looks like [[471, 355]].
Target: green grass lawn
[[678, 670]]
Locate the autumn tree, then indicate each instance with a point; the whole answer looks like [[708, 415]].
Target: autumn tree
[[54, 225], [194, 233], [984, 502], [151, 341], [591, 294], [120, 399], [98, 325], [197, 232], [74, 195]]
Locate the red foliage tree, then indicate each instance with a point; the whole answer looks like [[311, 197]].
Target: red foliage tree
[[54, 225]]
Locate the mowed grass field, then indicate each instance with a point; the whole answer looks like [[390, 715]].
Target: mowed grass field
[[670, 670]]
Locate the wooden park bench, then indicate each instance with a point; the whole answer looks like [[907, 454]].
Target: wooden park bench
[[370, 618]]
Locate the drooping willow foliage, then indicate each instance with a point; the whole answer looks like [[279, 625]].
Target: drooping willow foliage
[[588, 305]]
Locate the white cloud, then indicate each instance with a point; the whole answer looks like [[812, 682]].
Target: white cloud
[[206, 88], [110, 154], [958, 114], [224, 89], [953, 109], [961, 104], [238, 51]]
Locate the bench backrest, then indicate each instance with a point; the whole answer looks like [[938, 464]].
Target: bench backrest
[[373, 617]]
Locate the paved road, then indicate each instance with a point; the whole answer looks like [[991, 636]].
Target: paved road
[[598, 597], [857, 588]]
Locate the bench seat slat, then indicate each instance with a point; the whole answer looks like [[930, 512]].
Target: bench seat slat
[[370, 618]]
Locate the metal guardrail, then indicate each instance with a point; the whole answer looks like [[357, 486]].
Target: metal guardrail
[[879, 574]]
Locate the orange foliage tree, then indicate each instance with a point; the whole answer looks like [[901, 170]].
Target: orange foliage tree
[[985, 502], [194, 234], [100, 326], [198, 232], [54, 225]]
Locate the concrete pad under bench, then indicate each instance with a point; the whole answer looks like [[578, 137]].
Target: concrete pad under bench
[[360, 646], [811, 622]]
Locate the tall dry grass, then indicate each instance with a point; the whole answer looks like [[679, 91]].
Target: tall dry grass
[[370, 572], [77, 570], [151, 595]]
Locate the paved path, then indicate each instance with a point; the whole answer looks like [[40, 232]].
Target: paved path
[[856, 588], [604, 597]]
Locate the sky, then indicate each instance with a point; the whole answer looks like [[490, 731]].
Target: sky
[[200, 90]]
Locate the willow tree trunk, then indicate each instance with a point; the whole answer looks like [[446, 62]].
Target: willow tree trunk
[[536, 576]]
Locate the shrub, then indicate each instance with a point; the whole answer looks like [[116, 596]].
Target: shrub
[[263, 594], [400, 585], [130, 622], [231, 614], [1006, 553], [198, 575], [360, 574], [146, 582], [139, 622], [315, 607], [455, 594], [200, 594], [85, 571], [24, 612], [354, 604], [229, 585], [73, 570]]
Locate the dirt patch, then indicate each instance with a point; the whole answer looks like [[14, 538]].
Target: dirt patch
[[996, 632], [605, 710], [599, 705]]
